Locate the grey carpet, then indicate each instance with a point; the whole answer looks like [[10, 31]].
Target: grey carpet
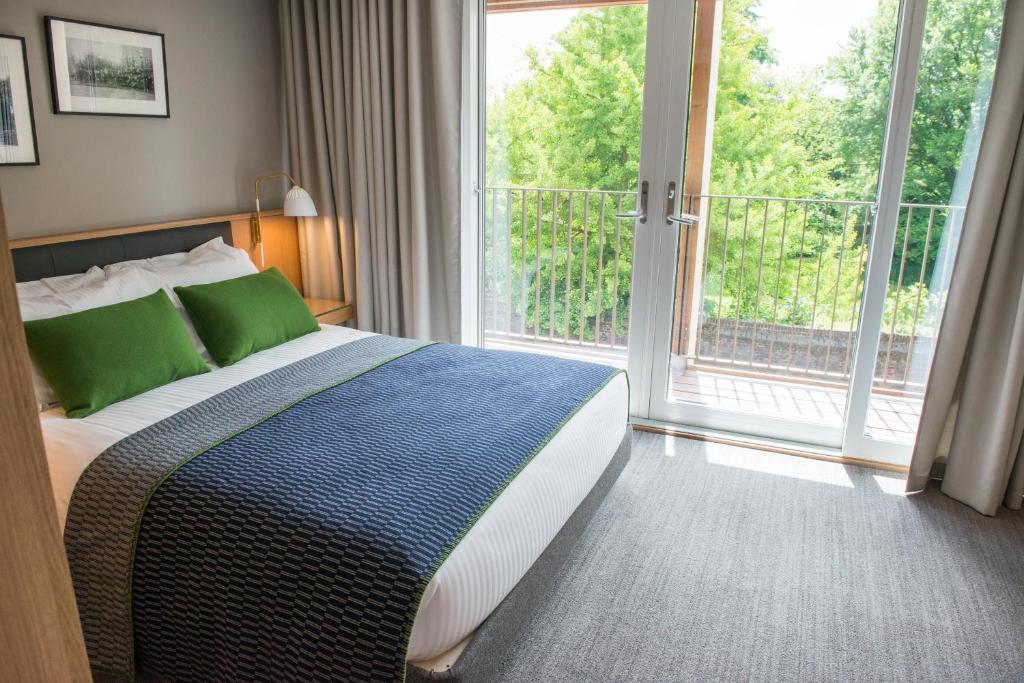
[[713, 563]]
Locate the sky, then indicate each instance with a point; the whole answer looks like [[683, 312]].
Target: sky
[[804, 33]]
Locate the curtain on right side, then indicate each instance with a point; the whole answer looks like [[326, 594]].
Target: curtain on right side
[[973, 414]]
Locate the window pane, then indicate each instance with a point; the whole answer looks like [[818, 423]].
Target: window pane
[[957, 64]]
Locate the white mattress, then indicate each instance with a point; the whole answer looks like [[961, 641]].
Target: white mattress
[[492, 557]]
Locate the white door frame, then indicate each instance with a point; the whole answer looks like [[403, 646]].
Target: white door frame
[[656, 261], [903, 91], [473, 131], [662, 144], [662, 148]]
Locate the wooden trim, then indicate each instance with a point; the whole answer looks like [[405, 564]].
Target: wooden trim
[[321, 306], [331, 311], [772, 448], [131, 229], [280, 243], [696, 171], [40, 634], [500, 6]]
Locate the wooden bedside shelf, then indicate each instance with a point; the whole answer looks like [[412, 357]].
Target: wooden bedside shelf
[[331, 311]]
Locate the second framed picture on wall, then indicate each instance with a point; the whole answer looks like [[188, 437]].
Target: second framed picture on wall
[[17, 127], [106, 70]]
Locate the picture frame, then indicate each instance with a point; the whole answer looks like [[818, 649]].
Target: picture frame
[[105, 70], [18, 144]]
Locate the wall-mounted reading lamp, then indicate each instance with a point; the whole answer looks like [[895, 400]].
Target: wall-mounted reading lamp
[[296, 203]]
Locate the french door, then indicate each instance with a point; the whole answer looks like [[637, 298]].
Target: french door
[[758, 222], [772, 307]]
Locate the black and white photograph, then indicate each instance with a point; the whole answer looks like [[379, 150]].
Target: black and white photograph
[[17, 127], [97, 69]]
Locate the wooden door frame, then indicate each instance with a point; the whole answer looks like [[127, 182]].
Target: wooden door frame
[[40, 635]]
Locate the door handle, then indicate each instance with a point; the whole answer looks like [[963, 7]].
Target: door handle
[[686, 219], [640, 213]]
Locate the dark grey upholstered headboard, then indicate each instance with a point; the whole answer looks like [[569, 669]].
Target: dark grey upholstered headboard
[[68, 258]]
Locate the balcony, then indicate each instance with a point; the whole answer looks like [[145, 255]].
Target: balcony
[[766, 304]]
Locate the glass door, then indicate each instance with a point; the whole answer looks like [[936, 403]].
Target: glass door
[[764, 255], [922, 208], [752, 204], [574, 98], [781, 304]]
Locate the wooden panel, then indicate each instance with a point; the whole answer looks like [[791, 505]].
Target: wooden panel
[[129, 229], [331, 311], [697, 171], [280, 244], [338, 317], [40, 635]]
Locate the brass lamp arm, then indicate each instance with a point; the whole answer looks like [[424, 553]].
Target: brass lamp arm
[[254, 222], [256, 184]]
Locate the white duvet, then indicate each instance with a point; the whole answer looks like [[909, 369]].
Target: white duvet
[[492, 557]]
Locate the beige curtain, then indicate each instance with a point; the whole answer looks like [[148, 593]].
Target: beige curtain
[[373, 111], [973, 414]]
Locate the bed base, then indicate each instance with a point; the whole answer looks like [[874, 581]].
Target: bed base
[[490, 642]]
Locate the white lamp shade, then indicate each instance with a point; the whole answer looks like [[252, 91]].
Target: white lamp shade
[[298, 203]]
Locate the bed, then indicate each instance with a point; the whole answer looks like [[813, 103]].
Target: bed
[[489, 557]]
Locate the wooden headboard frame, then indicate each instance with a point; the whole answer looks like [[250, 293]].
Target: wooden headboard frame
[[50, 255]]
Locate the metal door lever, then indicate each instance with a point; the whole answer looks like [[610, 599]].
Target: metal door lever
[[683, 219], [641, 213], [670, 205]]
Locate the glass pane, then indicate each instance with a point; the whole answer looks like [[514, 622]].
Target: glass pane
[[957, 65], [564, 112], [792, 96]]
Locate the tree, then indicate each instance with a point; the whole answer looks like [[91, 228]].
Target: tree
[[958, 56], [574, 122]]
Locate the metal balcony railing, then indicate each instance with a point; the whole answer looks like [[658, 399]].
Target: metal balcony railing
[[780, 280]]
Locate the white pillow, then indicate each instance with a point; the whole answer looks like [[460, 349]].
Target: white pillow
[[212, 261], [61, 283], [156, 263], [112, 289]]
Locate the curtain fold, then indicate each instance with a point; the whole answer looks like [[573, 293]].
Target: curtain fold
[[373, 110], [973, 414]]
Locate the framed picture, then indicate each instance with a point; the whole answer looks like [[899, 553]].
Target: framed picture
[[106, 70], [17, 125]]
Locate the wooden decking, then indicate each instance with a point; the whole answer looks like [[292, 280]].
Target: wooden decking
[[891, 418]]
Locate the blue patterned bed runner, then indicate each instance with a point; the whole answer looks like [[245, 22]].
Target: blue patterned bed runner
[[298, 546]]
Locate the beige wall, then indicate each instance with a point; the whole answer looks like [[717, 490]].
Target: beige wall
[[223, 72]]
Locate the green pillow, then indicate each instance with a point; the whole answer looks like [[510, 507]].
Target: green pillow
[[241, 316], [104, 355]]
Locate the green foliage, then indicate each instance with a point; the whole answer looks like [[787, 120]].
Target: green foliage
[[960, 45], [574, 122]]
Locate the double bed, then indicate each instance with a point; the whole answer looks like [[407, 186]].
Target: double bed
[[480, 566]]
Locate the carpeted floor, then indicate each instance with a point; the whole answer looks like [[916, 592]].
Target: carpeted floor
[[715, 563]]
